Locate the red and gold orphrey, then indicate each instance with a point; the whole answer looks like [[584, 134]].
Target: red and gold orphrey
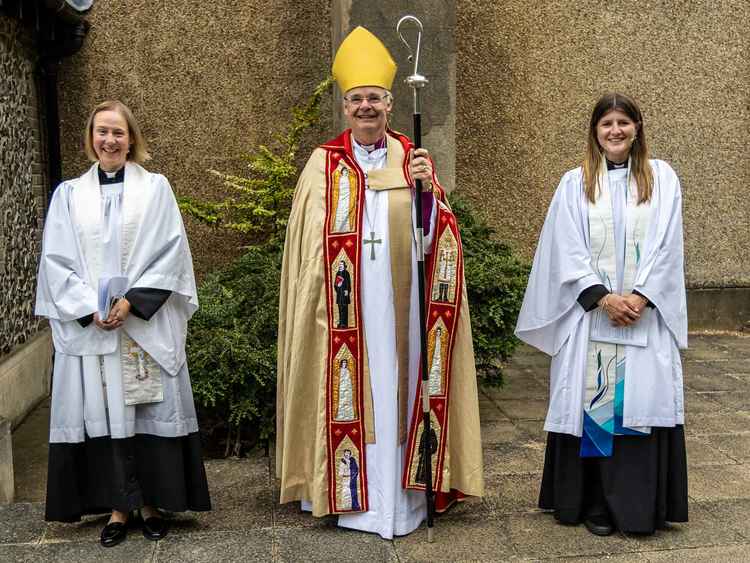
[[442, 309]]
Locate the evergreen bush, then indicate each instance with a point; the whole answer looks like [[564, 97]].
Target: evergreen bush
[[495, 283], [232, 339]]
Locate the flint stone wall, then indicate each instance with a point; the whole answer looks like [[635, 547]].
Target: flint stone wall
[[22, 186]]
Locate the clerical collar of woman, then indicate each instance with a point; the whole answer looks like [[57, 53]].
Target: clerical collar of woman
[[615, 165], [111, 177], [379, 144]]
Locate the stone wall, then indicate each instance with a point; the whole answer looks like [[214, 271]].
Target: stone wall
[[206, 80], [529, 73], [22, 186]]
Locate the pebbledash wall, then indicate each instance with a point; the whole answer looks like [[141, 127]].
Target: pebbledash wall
[[529, 73], [513, 82], [206, 81]]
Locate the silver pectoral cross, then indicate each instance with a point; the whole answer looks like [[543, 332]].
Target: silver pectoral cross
[[372, 241]]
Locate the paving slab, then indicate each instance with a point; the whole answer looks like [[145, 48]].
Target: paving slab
[[489, 411], [725, 554], [241, 497], [79, 552], [738, 368], [30, 447], [523, 409], [719, 482], [537, 535], [21, 522], [336, 544], [702, 403], [733, 514], [87, 530], [501, 432], [717, 381], [733, 401], [456, 541], [217, 547], [513, 458], [290, 515], [507, 494], [736, 447], [700, 453], [697, 424], [534, 430], [518, 384], [703, 529]]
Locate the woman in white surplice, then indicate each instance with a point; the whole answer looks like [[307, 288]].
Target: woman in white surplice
[[606, 299], [116, 283]]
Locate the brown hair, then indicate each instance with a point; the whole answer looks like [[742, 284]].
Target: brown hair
[[138, 148], [639, 165]]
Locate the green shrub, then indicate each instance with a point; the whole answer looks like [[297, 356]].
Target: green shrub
[[495, 284], [232, 345]]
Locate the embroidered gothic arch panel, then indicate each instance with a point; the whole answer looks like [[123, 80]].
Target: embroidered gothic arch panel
[[342, 274], [344, 370], [444, 278]]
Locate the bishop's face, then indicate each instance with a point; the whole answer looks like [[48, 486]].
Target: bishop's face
[[366, 110], [111, 140], [615, 132]]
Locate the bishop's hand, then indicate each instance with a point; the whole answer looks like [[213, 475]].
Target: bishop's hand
[[420, 167]]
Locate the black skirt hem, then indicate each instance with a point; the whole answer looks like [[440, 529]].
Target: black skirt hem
[[642, 486], [102, 474]]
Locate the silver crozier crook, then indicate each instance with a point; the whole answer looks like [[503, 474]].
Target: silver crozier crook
[[416, 81]]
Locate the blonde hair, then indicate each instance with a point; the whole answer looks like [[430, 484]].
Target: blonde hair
[[640, 168], [138, 152]]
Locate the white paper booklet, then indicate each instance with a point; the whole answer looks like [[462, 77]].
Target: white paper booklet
[[602, 330], [110, 290]]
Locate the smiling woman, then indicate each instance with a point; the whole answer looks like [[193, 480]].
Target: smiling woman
[[123, 428], [606, 299]]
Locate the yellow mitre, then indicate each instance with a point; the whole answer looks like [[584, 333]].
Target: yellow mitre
[[363, 60]]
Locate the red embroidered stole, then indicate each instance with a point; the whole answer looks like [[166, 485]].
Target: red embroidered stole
[[345, 396], [444, 288]]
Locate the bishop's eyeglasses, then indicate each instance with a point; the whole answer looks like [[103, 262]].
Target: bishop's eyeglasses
[[373, 99]]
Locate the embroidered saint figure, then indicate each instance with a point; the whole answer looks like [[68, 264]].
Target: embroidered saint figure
[[436, 371], [342, 284], [445, 272], [342, 218], [353, 476], [348, 476], [345, 409], [432, 443], [344, 477]]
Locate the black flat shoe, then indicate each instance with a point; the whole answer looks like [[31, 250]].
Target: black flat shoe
[[155, 528], [599, 525], [113, 534]]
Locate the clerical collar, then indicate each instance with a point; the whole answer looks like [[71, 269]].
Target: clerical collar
[[614, 165], [379, 144], [111, 177]]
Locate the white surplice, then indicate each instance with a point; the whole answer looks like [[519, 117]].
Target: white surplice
[[95, 231], [552, 320]]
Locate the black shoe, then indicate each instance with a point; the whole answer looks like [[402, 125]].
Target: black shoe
[[154, 528], [599, 525], [113, 534]]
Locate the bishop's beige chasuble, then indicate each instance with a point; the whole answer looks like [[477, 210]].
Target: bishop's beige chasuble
[[324, 402]]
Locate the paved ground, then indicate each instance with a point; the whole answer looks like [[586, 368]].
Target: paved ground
[[247, 525]]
